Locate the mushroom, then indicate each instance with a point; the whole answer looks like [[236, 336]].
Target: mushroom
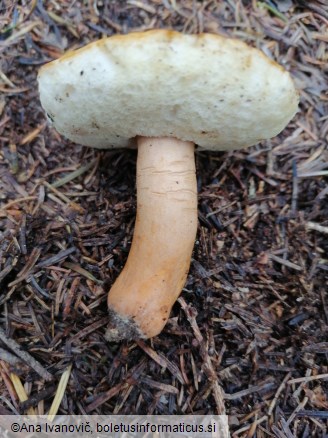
[[164, 92]]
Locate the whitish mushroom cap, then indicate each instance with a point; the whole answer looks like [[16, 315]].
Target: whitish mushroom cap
[[214, 91]]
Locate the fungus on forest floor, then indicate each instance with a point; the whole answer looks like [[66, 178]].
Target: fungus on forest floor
[[164, 92]]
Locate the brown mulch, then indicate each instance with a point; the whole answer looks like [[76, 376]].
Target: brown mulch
[[252, 319]]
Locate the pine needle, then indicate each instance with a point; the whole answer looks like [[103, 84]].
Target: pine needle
[[20, 390], [62, 181], [77, 268], [59, 393]]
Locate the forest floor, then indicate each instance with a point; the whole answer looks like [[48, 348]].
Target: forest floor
[[250, 328]]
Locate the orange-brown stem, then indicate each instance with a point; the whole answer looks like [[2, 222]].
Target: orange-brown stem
[[142, 297]]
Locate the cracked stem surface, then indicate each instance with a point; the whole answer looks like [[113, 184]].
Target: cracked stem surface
[[142, 297]]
